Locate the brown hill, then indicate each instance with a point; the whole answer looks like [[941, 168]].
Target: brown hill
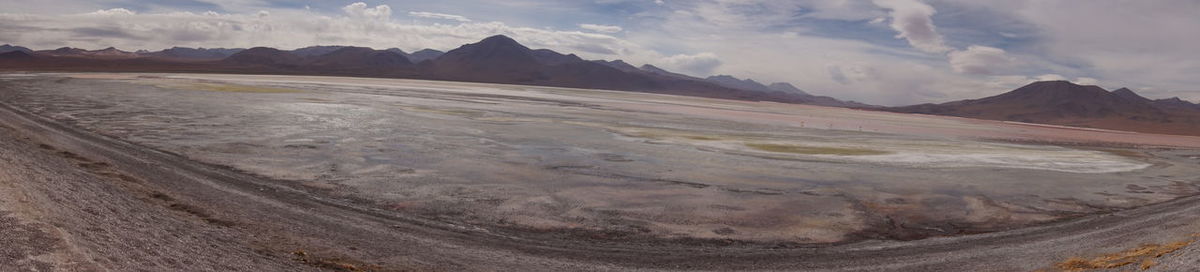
[[424, 55], [194, 53], [16, 56], [1065, 103], [9, 48], [1175, 103], [497, 59], [265, 56], [356, 57], [619, 65]]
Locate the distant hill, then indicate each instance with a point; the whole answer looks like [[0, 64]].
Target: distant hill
[[107, 53], [785, 87], [16, 55], [194, 53], [662, 72], [265, 56], [619, 65], [316, 50], [360, 61], [1175, 103], [733, 82], [1066, 103], [361, 57], [9, 48], [424, 54]]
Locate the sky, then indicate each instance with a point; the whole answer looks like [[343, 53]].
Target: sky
[[886, 52]]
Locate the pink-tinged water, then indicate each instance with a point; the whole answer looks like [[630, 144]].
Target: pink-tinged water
[[898, 123]]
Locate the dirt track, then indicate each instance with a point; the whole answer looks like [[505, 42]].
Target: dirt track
[[80, 201]]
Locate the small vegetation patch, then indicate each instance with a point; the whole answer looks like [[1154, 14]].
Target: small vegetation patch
[[815, 150], [239, 88], [1143, 256], [701, 138], [454, 112], [332, 264], [1127, 153]]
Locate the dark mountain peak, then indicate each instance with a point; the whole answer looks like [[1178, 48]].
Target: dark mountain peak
[[651, 68], [499, 39], [497, 58], [1051, 84], [491, 44], [359, 49], [67, 50], [550, 57], [1176, 103], [351, 57], [316, 50], [397, 51], [264, 56], [495, 52], [1051, 102], [196, 53], [722, 77], [785, 87], [424, 54], [110, 48], [663, 72], [9, 48], [1057, 89], [733, 82], [619, 65], [1126, 93], [1173, 99], [260, 50]]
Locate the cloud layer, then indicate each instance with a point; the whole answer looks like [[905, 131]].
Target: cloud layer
[[881, 51], [601, 28]]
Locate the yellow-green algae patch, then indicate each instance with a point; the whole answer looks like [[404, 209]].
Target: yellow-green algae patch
[[238, 88], [815, 150]]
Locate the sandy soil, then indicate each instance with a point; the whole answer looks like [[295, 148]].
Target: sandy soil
[[129, 202]]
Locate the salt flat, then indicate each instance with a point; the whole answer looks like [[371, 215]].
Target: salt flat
[[620, 165]]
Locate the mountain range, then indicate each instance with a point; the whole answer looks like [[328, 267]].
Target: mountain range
[[496, 59], [500, 59], [1069, 104]]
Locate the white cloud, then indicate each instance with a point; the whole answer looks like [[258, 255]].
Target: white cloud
[[981, 60], [701, 64], [113, 12], [913, 20], [601, 28], [360, 9], [434, 15], [1087, 81], [1050, 77]]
